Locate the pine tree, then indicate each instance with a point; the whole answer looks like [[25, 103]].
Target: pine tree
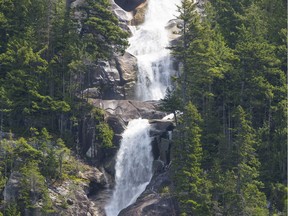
[[190, 181], [245, 168]]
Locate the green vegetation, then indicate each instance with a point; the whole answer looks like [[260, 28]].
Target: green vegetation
[[230, 149], [44, 49]]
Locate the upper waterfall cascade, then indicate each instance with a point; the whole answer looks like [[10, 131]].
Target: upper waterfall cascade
[[133, 166], [149, 44]]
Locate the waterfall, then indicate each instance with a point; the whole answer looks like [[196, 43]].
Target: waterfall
[[149, 44], [133, 166], [134, 159]]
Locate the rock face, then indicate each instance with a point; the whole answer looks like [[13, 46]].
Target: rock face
[[114, 79], [81, 198], [161, 144], [127, 68], [155, 200], [139, 14], [174, 28], [11, 190], [129, 5], [129, 109]]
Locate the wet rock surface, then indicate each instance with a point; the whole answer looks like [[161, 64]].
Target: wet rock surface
[[155, 200]]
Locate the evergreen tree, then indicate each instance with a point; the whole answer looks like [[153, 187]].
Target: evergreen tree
[[190, 180]]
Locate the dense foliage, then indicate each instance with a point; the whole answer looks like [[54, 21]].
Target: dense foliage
[[45, 47], [233, 77]]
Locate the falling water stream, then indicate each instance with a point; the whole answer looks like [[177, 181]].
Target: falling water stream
[[133, 166], [134, 159], [149, 44]]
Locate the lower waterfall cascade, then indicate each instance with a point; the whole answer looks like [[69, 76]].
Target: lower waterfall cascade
[[133, 166]]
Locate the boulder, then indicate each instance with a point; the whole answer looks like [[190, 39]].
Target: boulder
[[96, 179], [93, 175], [129, 5], [127, 68]]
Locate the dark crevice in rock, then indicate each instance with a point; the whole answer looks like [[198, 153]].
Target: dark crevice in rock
[[94, 188], [129, 5]]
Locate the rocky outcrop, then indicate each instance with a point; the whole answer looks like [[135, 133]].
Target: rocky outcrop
[[127, 68], [155, 200], [161, 145], [129, 5], [11, 190], [129, 109], [113, 79], [82, 197], [174, 28]]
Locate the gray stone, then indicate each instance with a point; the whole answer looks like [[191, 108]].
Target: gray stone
[[11, 190], [162, 125], [157, 166], [174, 28], [91, 93], [129, 109], [153, 201], [127, 67], [116, 124]]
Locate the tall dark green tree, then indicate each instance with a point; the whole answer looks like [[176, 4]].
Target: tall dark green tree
[[191, 183]]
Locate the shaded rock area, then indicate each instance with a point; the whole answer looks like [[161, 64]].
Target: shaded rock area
[[155, 200], [129, 5], [11, 190], [161, 145], [113, 79]]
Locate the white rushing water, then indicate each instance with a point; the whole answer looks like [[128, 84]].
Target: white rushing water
[[134, 159], [133, 166], [149, 44]]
